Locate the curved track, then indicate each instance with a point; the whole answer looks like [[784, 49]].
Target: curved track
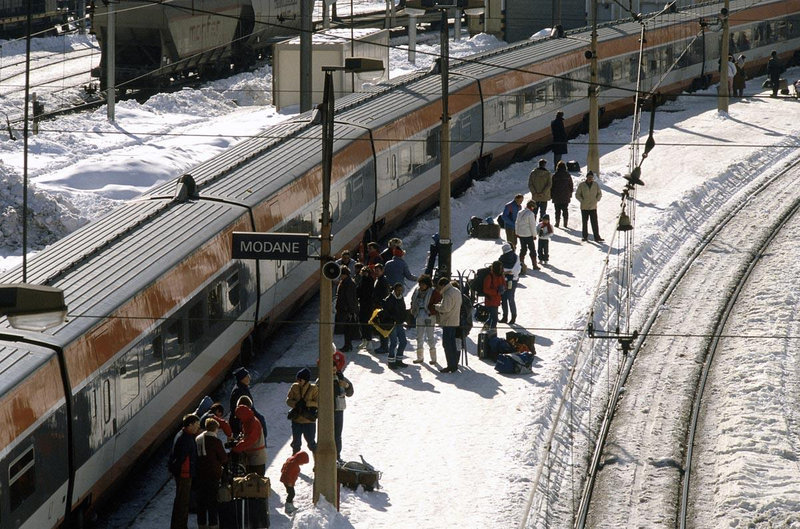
[[637, 474]]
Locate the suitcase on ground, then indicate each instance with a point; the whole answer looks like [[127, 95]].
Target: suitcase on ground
[[487, 231], [483, 344], [351, 474], [529, 340]]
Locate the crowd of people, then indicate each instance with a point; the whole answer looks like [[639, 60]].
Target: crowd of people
[[372, 290]]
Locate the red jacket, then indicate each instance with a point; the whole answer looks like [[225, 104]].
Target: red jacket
[[491, 289], [436, 297], [253, 440], [291, 468]]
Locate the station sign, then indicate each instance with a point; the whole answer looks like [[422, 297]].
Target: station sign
[[272, 246]]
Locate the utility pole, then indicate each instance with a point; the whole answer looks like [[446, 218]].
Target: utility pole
[[722, 100], [445, 244], [111, 63], [593, 156], [305, 54]]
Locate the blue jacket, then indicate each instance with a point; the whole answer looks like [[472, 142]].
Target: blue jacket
[[510, 211], [183, 446], [396, 270]]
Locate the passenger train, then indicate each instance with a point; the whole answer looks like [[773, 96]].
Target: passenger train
[[158, 309]]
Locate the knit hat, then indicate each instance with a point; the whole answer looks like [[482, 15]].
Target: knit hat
[[240, 374], [304, 374], [507, 247], [545, 217]]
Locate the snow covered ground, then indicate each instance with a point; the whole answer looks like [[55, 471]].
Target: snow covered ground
[[456, 450]]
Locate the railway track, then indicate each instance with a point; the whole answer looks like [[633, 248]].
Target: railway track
[[642, 468]]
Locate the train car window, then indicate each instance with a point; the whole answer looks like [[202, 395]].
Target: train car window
[[106, 400], [466, 127], [173, 341], [93, 403], [21, 478], [358, 186], [129, 379], [529, 100], [153, 355], [234, 294], [606, 72], [346, 204], [214, 310], [196, 322], [432, 144], [392, 166], [617, 69]]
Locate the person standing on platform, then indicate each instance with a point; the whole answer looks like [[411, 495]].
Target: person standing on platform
[[211, 457], [526, 231], [774, 70], [559, 133], [589, 194], [511, 268], [509, 217], [449, 311], [494, 285], [304, 398], [740, 79], [544, 231], [396, 269], [540, 182], [420, 301], [241, 389], [253, 449], [364, 287], [346, 318], [562, 193], [182, 465], [380, 291], [395, 307]]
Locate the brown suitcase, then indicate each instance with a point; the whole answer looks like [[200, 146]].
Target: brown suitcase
[[250, 486]]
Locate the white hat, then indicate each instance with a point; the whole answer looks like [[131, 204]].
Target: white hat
[[506, 247]]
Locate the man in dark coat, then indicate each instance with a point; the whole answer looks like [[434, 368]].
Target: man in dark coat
[[395, 306], [242, 388], [380, 291], [561, 192], [774, 70], [182, 465], [364, 286], [347, 309], [559, 137]]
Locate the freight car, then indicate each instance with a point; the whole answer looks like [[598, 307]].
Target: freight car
[[159, 41], [159, 310], [45, 15]]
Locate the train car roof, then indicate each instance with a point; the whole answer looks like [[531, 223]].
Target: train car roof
[[18, 360], [104, 264]]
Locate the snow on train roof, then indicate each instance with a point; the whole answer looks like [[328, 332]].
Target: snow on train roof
[[18, 360]]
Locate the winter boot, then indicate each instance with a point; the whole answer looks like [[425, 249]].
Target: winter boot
[[289, 508], [433, 356], [523, 269], [419, 357]]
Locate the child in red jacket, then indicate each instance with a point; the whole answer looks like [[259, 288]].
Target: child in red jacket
[[289, 472]]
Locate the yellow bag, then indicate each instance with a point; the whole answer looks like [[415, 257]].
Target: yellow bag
[[250, 486], [380, 324]]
